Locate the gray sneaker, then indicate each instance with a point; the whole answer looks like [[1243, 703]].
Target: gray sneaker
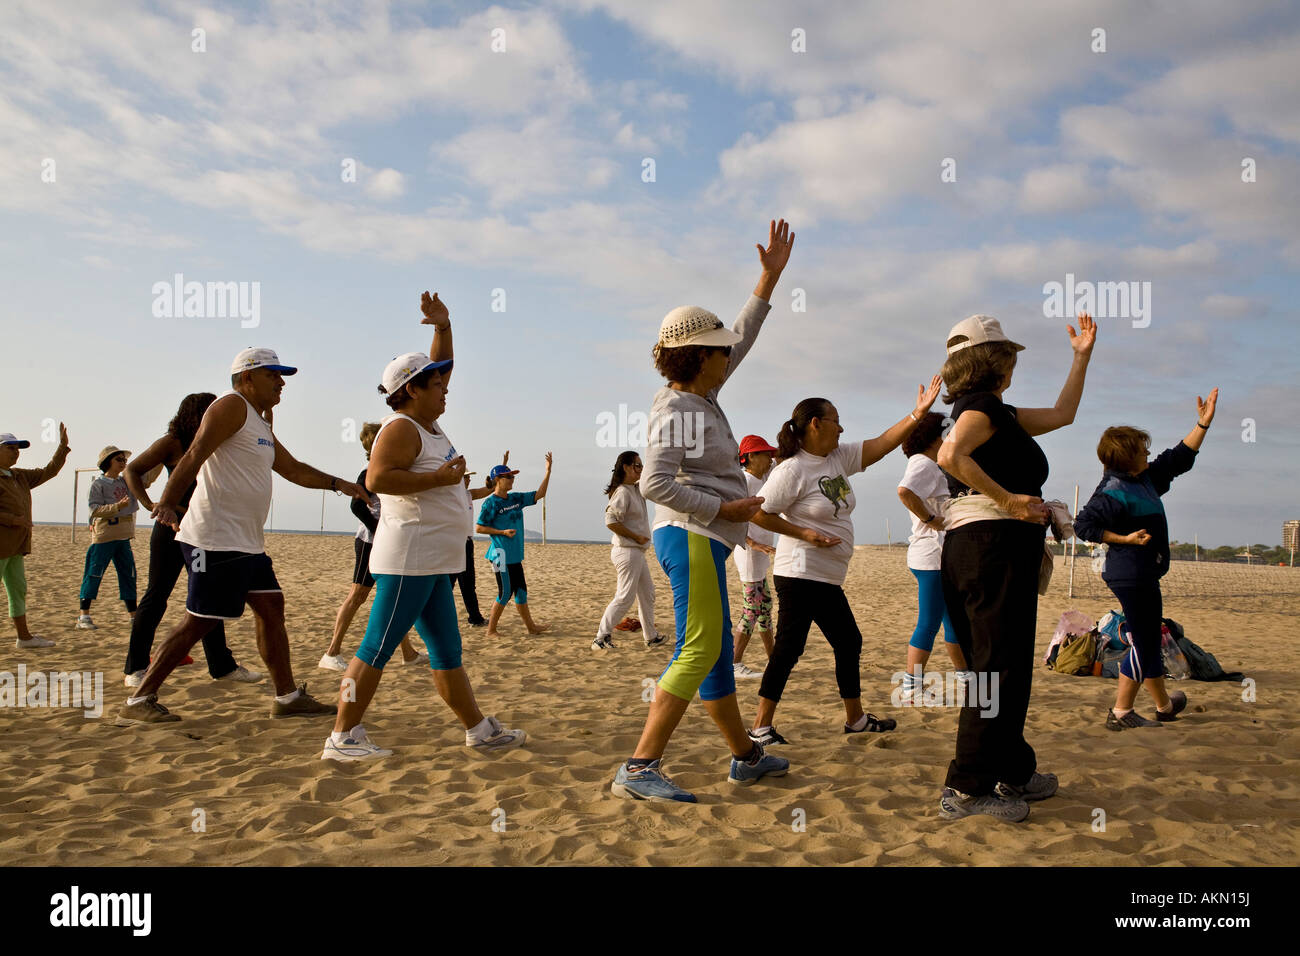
[[147, 711], [1039, 787], [648, 783], [500, 738], [953, 805], [1131, 719]]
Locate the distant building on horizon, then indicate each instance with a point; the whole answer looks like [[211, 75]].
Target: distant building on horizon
[[1291, 534]]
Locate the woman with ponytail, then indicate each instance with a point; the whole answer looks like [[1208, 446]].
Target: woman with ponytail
[[625, 516], [808, 501]]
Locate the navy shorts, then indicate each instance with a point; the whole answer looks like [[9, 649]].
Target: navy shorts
[[220, 581], [361, 567]]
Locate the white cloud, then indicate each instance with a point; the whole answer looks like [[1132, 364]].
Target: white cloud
[[1062, 187], [384, 184]]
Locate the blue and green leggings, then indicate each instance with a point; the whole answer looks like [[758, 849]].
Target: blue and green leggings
[[697, 570]]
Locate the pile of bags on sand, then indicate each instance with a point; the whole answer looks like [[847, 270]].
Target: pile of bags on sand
[[1084, 649]]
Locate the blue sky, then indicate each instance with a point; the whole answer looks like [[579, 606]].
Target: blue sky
[[521, 170]]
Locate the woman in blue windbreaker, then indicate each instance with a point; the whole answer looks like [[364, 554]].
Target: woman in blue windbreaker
[[1126, 513]]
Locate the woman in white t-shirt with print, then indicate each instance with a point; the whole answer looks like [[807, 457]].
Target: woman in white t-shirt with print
[[923, 490], [626, 518], [808, 501]]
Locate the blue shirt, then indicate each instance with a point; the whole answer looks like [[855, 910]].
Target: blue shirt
[[502, 514]]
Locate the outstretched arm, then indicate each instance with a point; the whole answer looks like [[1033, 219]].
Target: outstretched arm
[[303, 474], [877, 448], [1204, 416], [1038, 421], [437, 315], [540, 493]]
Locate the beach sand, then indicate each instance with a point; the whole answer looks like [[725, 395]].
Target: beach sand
[[1220, 786]]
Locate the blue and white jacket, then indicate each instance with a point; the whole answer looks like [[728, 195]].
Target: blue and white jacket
[[1123, 504]]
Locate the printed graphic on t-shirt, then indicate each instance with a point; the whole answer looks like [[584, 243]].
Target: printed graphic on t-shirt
[[836, 490]]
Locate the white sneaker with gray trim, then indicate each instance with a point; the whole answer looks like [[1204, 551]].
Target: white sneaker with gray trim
[[498, 738], [354, 746], [242, 675]]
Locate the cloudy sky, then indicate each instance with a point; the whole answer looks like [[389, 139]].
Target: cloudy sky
[[935, 160]]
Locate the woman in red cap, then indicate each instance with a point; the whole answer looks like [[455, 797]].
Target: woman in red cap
[[753, 558]]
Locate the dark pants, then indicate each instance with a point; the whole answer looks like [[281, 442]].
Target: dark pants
[[468, 587], [801, 604], [990, 584], [165, 563], [1143, 607]]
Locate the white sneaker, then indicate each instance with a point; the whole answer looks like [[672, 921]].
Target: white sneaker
[[242, 675], [498, 739], [335, 662], [134, 680], [34, 641], [744, 672], [354, 746], [421, 657], [84, 623], [605, 643]]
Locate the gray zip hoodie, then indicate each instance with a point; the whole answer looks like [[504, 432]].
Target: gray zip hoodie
[[692, 462]]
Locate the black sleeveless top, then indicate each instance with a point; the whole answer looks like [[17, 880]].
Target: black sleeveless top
[[1010, 457]]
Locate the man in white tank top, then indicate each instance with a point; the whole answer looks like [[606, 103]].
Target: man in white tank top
[[232, 457]]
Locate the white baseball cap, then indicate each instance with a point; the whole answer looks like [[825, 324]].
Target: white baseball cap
[[691, 325], [252, 358], [976, 330], [405, 367], [8, 438]]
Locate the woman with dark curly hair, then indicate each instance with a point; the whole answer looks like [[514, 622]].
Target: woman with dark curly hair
[[165, 560], [923, 489], [992, 556], [703, 506]]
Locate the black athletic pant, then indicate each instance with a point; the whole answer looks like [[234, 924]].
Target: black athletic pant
[[801, 604], [165, 564], [468, 587], [990, 584]]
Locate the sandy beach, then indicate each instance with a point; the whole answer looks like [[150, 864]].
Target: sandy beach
[[1221, 786]]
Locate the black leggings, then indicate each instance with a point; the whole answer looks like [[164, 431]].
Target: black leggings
[[801, 604], [990, 584], [468, 587], [165, 564]]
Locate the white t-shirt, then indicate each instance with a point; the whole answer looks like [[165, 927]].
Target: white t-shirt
[[814, 492], [423, 533], [627, 507], [752, 564], [926, 480]]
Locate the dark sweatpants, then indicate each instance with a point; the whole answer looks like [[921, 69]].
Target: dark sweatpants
[[468, 586], [801, 604], [1143, 607], [990, 584], [165, 564]]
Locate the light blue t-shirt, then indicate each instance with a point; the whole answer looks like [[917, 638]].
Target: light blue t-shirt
[[505, 513]]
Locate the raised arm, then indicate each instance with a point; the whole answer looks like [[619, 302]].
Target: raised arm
[[1038, 421], [773, 259], [540, 493], [39, 476], [1204, 417], [437, 315], [971, 430], [874, 449]]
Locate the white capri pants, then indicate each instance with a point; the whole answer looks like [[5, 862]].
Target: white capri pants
[[634, 584]]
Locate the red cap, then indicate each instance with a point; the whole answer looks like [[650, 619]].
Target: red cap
[[752, 444]]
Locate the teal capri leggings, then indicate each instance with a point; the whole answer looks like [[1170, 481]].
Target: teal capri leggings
[[405, 600]]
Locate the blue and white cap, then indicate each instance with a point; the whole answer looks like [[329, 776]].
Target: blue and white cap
[[8, 438], [405, 367], [252, 358]]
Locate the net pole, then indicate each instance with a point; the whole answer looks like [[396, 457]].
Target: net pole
[[76, 474], [543, 521], [322, 512], [889, 542], [1073, 545]]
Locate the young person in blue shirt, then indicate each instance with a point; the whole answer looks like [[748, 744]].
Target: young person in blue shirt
[[502, 517], [1126, 513]]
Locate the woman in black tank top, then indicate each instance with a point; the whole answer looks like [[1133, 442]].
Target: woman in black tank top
[[990, 566]]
